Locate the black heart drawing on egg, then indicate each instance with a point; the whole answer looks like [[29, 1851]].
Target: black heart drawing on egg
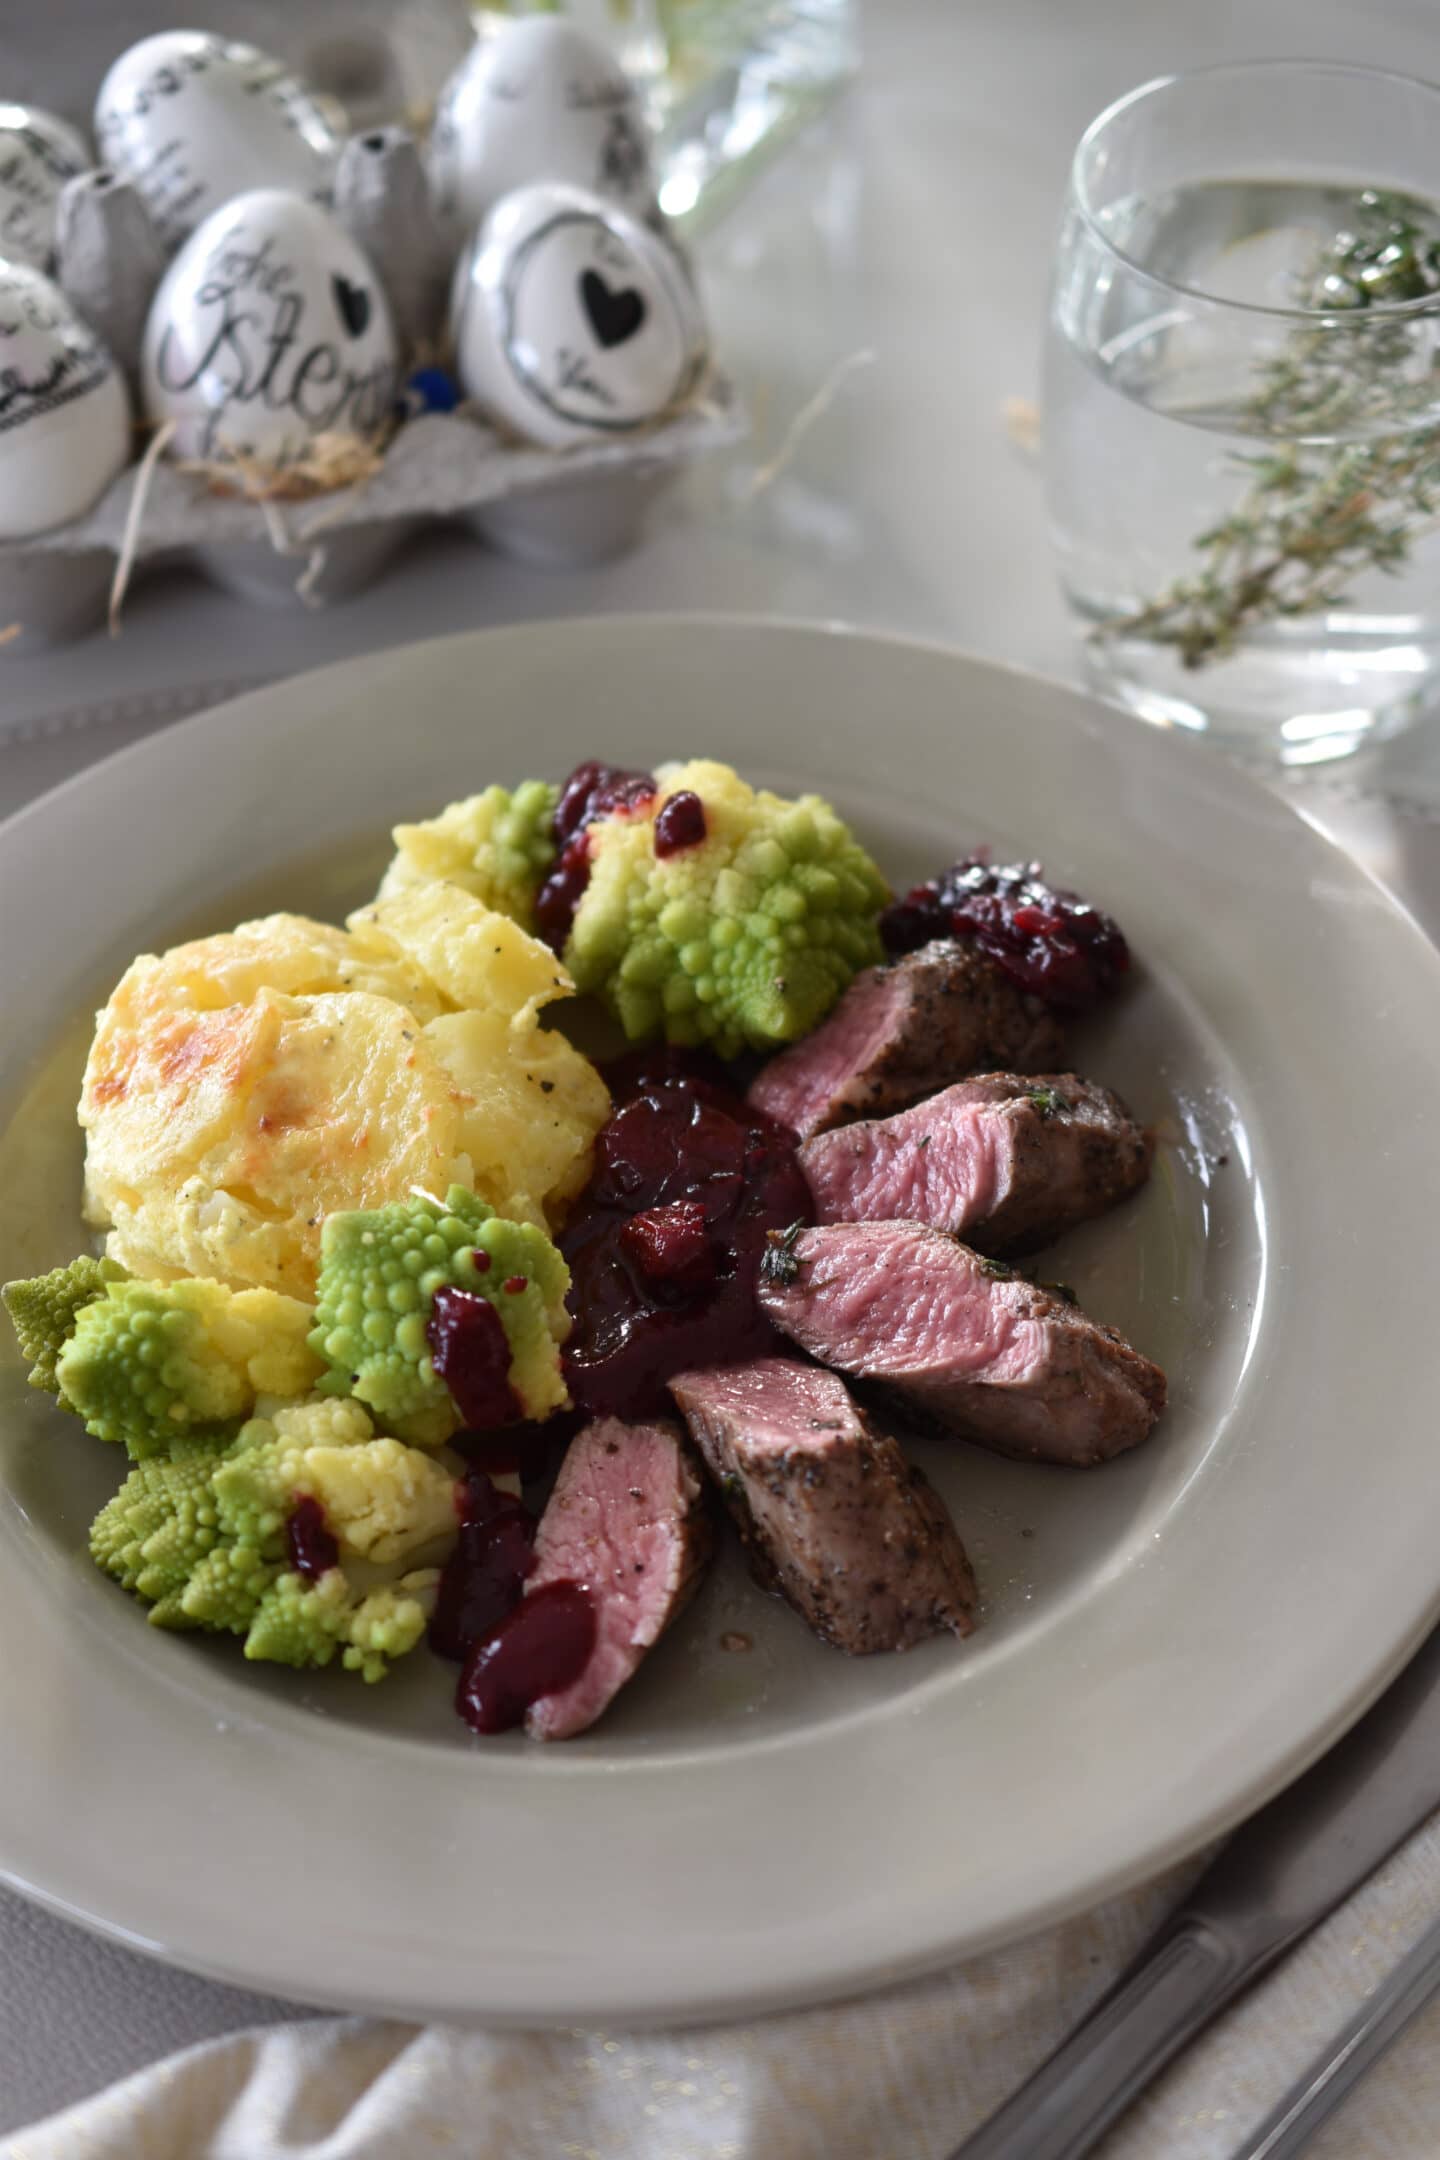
[[614, 316], [353, 303]]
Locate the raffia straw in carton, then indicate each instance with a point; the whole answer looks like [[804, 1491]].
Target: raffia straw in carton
[[329, 461], [134, 520]]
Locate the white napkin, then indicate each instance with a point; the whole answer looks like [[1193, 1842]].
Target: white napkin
[[900, 2076]]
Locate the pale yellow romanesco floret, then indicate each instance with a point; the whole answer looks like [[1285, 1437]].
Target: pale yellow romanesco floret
[[150, 1362], [382, 1501]]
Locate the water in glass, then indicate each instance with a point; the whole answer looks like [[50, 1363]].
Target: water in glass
[[1240, 450]]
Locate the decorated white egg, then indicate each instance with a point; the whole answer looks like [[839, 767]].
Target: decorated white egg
[[540, 100], [268, 329], [191, 120], [573, 321], [38, 154], [64, 412]]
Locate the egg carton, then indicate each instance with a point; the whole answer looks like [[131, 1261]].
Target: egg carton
[[556, 510], [554, 506]]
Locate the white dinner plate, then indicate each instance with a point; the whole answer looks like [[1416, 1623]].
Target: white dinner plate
[[1165, 1640]]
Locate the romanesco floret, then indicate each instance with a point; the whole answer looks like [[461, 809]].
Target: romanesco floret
[[379, 1271], [744, 939], [498, 846], [225, 1592], [148, 1361], [158, 1529], [382, 1500], [203, 1537], [305, 1623], [44, 1310]]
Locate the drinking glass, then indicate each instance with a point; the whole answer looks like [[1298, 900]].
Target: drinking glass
[[1242, 404]]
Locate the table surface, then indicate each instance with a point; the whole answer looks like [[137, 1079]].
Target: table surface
[[913, 226]]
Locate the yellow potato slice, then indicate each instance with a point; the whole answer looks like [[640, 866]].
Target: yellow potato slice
[[532, 1106], [441, 849], [537, 1103], [218, 1142], [477, 960], [277, 952]]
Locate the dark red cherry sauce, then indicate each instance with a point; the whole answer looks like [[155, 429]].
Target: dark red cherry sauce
[[541, 1647], [484, 1577], [471, 1355], [592, 791], [310, 1544], [508, 1661], [665, 1244]]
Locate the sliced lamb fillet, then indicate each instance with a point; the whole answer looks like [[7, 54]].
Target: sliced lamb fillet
[[627, 1519], [833, 1515], [903, 1030], [960, 1342], [1004, 1162]]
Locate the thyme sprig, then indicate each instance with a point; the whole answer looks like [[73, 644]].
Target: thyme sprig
[[1316, 514]]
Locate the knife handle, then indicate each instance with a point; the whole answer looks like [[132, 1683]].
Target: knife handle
[[1159, 2004]]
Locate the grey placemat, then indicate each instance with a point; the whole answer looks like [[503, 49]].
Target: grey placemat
[[37, 755]]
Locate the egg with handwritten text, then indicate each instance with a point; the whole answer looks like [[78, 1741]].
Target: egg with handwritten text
[[573, 322], [64, 412], [269, 328], [38, 154], [191, 120], [540, 100]]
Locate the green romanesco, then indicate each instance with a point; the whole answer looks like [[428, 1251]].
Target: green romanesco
[[44, 1309], [225, 1592], [379, 1272], [498, 845], [202, 1536], [743, 939], [305, 1623], [159, 1528], [148, 1361]]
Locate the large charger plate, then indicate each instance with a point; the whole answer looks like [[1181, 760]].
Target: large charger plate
[[1166, 1640]]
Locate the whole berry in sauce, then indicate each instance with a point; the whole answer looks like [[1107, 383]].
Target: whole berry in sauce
[[679, 823]]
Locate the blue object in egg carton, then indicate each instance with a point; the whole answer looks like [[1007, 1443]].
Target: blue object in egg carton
[[283, 329]]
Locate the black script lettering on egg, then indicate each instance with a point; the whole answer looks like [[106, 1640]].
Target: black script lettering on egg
[[258, 345]]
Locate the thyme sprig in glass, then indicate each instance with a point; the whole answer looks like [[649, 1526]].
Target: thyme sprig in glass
[[1316, 515]]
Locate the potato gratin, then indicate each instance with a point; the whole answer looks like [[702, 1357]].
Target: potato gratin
[[243, 1087]]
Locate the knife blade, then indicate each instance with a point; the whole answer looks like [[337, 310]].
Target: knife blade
[[1280, 1874]]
